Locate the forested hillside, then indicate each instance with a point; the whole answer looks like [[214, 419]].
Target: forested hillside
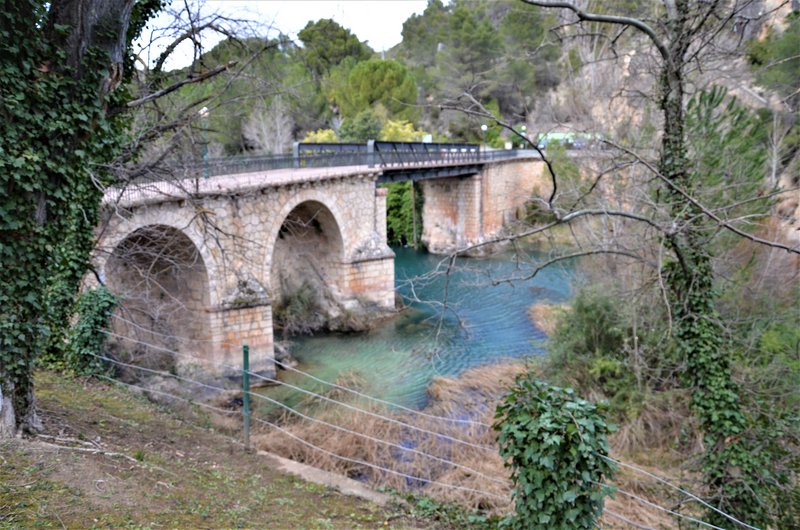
[[520, 64], [327, 79]]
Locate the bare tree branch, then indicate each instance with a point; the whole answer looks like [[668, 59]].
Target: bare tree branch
[[187, 81], [707, 212], [609, 19]]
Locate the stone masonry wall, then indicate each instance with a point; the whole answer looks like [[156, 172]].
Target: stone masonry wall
[[234, 222], [371, 281], [507, 187], [451, 213], [462, 211], [234, 327]]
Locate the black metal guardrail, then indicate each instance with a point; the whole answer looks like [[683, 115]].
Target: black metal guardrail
[[373, 154], [397, 161]]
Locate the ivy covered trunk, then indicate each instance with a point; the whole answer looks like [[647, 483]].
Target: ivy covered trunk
[[697, 328], [60, 62]]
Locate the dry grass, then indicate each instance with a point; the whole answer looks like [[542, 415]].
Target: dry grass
[[665, 464], [474, 396], [662, 420], [545, 316]]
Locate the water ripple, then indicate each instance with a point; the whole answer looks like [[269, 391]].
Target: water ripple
[[399, 358]]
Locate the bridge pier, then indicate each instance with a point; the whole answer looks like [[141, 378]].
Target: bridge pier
[[369, 276], [460, 212], [371, 281], [452, 213], [203, 267], [232, 327]]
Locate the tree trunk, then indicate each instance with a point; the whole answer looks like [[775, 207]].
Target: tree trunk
[[49, 209], [690, 280], [8, 421], [13, 398]]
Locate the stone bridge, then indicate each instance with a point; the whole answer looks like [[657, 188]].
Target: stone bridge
[[205, 264]]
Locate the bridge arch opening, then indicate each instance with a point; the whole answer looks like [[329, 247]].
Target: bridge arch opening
[[163, 283], [306, 270]]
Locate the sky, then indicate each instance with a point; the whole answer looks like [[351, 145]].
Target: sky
[[379, 22]]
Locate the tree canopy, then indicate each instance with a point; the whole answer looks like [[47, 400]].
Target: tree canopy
[[326, 44], [377, 81]]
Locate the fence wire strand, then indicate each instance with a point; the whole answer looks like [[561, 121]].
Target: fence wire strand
[[311, 445], [375, 466], [318, 396], [382, 401], [397, 422], [677, 488], [167, 394], [642, 500], [311, 419]]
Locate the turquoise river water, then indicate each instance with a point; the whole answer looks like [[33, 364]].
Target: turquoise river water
[[483, 324]]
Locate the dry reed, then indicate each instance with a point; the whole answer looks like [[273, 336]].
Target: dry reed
[[545, 316], [472, 396]]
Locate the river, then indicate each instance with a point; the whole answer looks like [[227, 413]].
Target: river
[[483, 324]]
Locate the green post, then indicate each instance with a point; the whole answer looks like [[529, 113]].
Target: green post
[[246, 393]]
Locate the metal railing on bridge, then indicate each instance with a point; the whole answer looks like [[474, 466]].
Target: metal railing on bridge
[[391, 158], [393, 154], [373, 154]]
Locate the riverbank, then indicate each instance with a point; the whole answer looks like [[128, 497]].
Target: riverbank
[[108, 459], [446, 451]]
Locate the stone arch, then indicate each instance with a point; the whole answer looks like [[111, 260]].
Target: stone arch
[[165, 215], [321, 196], [163, 280], [306, 266]]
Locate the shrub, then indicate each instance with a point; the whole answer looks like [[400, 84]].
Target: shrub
[[85, 338], [554, 443]]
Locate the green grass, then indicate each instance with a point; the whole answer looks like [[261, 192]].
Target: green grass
[[179, 475]]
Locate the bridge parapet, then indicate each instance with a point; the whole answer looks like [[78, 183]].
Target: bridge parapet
[[373, 154]]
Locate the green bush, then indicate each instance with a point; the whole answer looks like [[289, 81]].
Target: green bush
[[300, 312], [554, 443], [588, 352], [399, 212], [85, 338], [592, 327]]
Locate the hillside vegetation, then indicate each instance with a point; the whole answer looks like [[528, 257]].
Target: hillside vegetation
[[681, 200]]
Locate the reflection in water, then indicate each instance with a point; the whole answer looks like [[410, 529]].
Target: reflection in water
[[483, 323]]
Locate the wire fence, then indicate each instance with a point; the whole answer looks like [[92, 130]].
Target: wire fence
[[436, 426]]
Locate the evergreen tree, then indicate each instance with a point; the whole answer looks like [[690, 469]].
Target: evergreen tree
[[366, 125], [377, 81], [326, 44]]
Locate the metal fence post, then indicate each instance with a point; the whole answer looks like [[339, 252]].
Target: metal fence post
[[246, 394]]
